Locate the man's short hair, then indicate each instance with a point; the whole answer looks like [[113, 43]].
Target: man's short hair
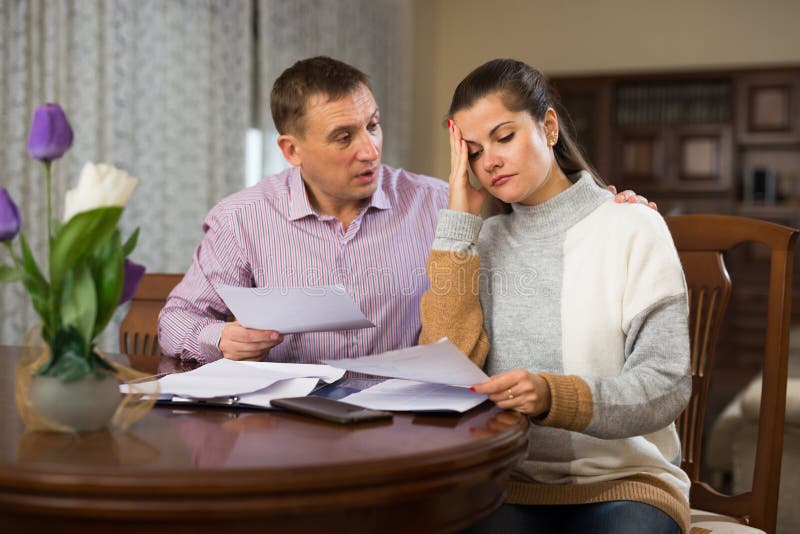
[[319, 75]]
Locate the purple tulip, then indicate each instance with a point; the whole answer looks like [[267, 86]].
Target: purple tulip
[[10, 219], [133, 275], [51, 134]]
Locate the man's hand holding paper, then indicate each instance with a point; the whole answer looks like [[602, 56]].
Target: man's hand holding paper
[[264, 315], [238, 342]]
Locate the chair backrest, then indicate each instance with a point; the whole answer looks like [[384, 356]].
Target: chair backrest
[[138, 333], [701, 241]]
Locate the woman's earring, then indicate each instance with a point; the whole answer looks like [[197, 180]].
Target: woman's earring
[[553, 139]]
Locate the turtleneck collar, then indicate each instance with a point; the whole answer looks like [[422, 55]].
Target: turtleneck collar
[[563, 210]]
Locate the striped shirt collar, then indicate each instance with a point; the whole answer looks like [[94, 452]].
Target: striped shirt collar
[[300, 206]]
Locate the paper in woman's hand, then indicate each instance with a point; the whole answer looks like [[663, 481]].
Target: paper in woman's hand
[[439, 363]]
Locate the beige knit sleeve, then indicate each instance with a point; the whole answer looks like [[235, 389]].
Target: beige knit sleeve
[[451, 307], [571, 405]]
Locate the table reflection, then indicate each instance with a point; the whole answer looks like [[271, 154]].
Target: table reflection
[[102, 448], [497, 424], [210, 434]]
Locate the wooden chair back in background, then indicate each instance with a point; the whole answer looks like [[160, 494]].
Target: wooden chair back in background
[[138, 333], [701, 241]]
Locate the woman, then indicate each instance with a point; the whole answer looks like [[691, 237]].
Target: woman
[[577, 307]]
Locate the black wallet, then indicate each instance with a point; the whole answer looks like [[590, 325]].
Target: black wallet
[[330, 410]]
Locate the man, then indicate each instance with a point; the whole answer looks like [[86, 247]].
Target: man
[[338, 216]]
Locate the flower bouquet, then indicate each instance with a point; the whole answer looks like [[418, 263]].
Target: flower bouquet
[[65, 383]]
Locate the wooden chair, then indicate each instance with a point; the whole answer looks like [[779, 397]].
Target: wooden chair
[[701, 241], [138, 333]]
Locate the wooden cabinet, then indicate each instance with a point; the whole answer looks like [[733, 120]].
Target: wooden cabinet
[[768, 107], [663, 160], [704, 142], [587, 109], [640, 158], [703, 158]]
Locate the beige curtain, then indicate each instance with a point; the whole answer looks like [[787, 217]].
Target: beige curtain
[[374, 36], [160, 89]]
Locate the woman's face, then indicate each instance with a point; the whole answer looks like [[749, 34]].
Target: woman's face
[[509, 152]]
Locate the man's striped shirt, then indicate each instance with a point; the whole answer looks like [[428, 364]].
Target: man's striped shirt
[[269, 236]]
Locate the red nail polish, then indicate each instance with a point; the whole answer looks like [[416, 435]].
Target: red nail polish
[[472, 388]]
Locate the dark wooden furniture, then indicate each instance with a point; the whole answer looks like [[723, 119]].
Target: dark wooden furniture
[[215, 470], [714, 141], [690, 138], [701, 241], [138, 332]]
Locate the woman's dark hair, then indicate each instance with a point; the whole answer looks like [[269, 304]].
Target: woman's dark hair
[[523, 88]]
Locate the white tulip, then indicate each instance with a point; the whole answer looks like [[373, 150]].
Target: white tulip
[[99, 186]]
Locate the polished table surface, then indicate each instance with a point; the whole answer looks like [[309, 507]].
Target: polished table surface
[[221, 470]]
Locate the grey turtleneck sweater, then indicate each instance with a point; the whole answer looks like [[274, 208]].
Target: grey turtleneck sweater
[[589, 294]]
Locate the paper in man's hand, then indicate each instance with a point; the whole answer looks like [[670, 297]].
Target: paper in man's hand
[[295, 309]]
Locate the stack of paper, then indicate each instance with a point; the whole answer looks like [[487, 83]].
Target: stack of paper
[[424, 378], [431, 377], [399, 395], [251, 383]]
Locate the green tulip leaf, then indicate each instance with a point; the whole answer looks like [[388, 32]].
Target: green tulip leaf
[[30, 266], [80, 236], [130, 244], [99, 365], [108, 272], [70, 366], [35, 283], [79, 302], [41, 304], [9, 273], [67, 356]]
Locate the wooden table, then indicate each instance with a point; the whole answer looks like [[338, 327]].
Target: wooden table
[[219, 470]]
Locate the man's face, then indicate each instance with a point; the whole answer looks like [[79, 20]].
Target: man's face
[[339, 153]]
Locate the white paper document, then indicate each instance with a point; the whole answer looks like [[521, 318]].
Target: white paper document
[[290, 387], [440, 363], [407, 395], [295, 309], [293, 387], [229, 378], [326, 373]]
